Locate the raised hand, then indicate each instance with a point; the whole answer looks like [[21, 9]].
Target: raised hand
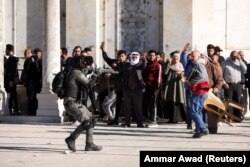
[[186, 47], [102, 46]]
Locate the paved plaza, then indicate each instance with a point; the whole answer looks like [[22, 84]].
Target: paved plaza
[[35, 145]]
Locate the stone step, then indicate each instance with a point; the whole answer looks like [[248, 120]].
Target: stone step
[[32, 119]]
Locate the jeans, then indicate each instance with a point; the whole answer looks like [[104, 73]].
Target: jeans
[[108, 105], [195, 103]]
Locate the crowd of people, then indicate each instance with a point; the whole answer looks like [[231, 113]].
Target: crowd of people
[[142, 87], [176, 88], [31, 78]]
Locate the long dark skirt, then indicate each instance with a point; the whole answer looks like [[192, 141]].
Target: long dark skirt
[[175, 112]]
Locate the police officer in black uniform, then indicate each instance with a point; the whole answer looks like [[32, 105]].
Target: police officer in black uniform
[[75, 81]]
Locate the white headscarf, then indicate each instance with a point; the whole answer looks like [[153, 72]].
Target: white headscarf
[[137, 60]]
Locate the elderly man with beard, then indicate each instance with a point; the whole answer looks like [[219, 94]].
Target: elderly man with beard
[[133, 86]]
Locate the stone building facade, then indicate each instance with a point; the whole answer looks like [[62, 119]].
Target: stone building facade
[[133, 25]]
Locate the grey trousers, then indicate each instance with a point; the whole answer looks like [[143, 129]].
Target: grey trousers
[[81, 114]]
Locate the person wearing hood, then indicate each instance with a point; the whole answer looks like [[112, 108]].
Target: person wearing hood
[[152, 76], [132, 86]]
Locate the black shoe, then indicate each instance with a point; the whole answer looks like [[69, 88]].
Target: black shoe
[[189, 127], [172, 122], [71, 144], [96, 112], [16, 112], [199, 135], [11, 112], [125, 126], [113, 122], [92, 147], [212, 132], [204, 133], [140, 126]]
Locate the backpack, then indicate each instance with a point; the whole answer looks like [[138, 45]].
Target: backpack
[[58, 84]]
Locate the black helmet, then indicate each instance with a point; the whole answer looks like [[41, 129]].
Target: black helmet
[[80, 62], [89, 60]]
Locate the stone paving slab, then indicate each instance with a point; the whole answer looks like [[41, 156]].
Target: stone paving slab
[[29, 145]]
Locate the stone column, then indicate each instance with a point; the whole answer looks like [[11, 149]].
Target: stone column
[[49, 105], [51, 59], [3, 94], [1, 45]]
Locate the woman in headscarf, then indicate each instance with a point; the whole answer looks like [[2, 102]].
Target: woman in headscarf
[[174, 93]]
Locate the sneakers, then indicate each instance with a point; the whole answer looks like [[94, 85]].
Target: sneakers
[[199, 135], [152, 125], [71, 144], [92, 147]]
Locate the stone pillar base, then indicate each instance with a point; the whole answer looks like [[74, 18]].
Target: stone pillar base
[[50, 107]]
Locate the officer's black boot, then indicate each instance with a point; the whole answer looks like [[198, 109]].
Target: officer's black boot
[[70, 141], [90, 146]]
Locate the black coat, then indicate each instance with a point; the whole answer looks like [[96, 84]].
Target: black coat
[[33, 68], [10, 71], [128, 69], [248, 76]]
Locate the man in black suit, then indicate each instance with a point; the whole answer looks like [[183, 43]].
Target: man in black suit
[[11, 78]]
